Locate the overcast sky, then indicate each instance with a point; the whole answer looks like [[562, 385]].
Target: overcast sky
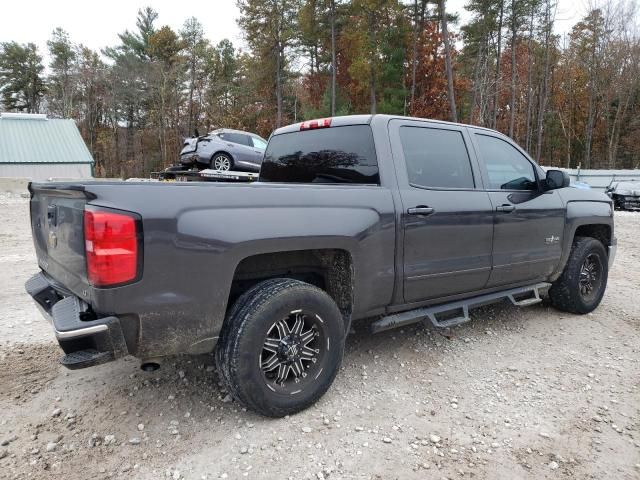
[[96, 25]]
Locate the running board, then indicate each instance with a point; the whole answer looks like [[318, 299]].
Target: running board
[[455, 313]]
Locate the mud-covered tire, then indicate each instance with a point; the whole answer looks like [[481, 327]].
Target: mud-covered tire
[[567, 292], [240, 354]]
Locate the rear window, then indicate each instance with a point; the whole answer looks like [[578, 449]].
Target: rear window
[[236, 138], [325, 155]]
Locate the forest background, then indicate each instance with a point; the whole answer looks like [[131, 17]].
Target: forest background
[[568, 100]]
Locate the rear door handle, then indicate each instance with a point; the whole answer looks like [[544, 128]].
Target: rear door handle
[[420, 210], [506, 208]]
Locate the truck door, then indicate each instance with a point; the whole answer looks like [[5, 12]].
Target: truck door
[[529, 222], [447, 219]]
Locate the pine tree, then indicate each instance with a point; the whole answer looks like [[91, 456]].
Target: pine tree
[[21, 82], [63, 77], [270, 27]]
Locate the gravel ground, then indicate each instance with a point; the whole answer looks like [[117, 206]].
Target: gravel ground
[[516, 393]]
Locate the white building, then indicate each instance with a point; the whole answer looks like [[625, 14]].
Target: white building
[[39, 148]]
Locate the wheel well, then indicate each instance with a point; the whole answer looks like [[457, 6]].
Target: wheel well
[[328, 269], [599, 232]]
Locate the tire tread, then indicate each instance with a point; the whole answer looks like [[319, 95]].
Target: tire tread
[[228, 354], [564, 294]]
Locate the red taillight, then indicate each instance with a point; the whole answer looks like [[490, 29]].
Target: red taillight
[[319, 123], [111, 246]]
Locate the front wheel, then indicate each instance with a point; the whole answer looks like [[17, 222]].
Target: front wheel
[[581, 286], [281, 346]]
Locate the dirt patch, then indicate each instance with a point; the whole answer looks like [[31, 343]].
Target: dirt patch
[[26, 370], [516, 393]]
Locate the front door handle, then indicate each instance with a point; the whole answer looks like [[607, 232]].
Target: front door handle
[[420, 210], [506, 208]]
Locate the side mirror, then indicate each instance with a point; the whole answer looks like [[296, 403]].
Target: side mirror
[[557, 179]]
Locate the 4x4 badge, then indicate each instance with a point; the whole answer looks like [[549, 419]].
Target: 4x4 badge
[[551, 240]]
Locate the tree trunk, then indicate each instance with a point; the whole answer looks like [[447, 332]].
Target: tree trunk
[[447, 61], [545, 79], [527, 142], [372, 90], [496, 86], [414, 54], [190, 125], [476, 76], [512, 103], [614, 134], [372, 62], [333, 58], [130, 133], [278, 85], [591, 115]]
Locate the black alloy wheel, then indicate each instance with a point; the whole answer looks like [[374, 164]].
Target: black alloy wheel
[[581, 286], [590, 276], [281, 346], [293, 351]]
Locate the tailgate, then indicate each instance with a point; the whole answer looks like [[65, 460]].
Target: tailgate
[[57, 225]]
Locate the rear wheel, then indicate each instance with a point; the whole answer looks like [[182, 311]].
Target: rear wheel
[[281, 346], [582, 284], [222, 162]]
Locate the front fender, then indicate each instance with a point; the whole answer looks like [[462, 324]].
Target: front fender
[[581, 213]]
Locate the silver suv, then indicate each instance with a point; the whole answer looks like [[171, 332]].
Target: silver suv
[[224, 149]]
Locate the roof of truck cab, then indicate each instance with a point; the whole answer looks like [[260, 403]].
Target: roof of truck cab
[[341, 121], [34, 138]]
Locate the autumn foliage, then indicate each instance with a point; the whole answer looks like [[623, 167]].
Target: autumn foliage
[[569, 101]]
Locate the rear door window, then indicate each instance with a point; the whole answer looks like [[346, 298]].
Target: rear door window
[[238, 138], [436, 158], [325, 155]]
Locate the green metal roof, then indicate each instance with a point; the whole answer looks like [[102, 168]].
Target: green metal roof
[[36, 139]]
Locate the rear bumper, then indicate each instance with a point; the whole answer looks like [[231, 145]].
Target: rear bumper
[[191, 159], [86, 340]]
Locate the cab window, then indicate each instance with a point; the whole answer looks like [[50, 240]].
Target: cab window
[[344, 155], [233, 137], [436, 158], [505, 167]]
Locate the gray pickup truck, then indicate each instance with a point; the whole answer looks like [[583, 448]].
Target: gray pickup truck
[[391, 219]]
